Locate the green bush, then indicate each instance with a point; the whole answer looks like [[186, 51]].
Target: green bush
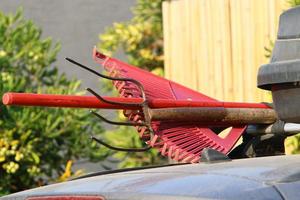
[[293, 3], [36, 143], [141, 38]]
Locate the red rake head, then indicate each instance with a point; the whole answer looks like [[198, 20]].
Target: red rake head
[[178, 140]]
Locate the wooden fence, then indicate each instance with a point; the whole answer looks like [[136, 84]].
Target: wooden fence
[[217, 46]]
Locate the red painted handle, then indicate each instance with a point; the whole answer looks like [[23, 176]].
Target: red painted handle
[[49, 100], [72, 101]]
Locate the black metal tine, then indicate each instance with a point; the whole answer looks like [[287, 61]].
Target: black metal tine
[[143, 105], [99, 97], [120, 148], [117, 123], [140, 86]]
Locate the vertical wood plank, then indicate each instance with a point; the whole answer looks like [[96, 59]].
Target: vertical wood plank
[[203, 53], [217, 46], [166, 11], [226, 38], [237, 50]]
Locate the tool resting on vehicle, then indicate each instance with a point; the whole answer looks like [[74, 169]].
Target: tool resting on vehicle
[[181, 122]]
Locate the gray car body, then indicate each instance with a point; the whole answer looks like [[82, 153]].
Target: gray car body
[[275, 177]]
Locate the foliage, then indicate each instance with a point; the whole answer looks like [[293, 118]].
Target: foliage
[[68, 173], [292, 145], [293, 3], [35, 143], [141, 39], [269, 49]]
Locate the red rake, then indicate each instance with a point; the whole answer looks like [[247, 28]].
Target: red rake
[[178, 121], [177, 140]]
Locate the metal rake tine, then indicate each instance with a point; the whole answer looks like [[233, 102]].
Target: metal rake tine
[[140, 86], [120, 148], [99, 97], [117, 123]]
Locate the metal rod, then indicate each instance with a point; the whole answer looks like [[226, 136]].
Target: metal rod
[[288, 129], [137, 83], [291, 128], [120, 148], [117, 123], [259, 130], [101, 99]]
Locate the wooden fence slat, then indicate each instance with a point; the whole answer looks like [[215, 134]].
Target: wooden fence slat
[[203, 52], [226, 50], [166, 7], [217, 46]]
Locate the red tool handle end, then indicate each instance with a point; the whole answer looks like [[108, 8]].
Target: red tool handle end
[[7, 99]]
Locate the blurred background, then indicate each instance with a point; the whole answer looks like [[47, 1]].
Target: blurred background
[[76, 24], [212, 46]]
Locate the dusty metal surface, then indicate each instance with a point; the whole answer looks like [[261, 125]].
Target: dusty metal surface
[[256, 178]]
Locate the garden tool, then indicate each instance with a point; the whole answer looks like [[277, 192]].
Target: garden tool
[[178, 121]]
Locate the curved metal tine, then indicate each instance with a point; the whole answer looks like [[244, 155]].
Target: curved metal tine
[[117, 123], [120, 148], [113, 102], [139, 85]]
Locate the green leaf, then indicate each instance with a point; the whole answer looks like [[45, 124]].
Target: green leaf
[[35, 157], [46, 138]]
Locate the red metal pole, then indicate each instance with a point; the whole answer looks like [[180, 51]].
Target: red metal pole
[[50, 100]]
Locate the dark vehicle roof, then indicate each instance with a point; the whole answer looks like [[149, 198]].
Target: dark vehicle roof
[[256, 178]]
